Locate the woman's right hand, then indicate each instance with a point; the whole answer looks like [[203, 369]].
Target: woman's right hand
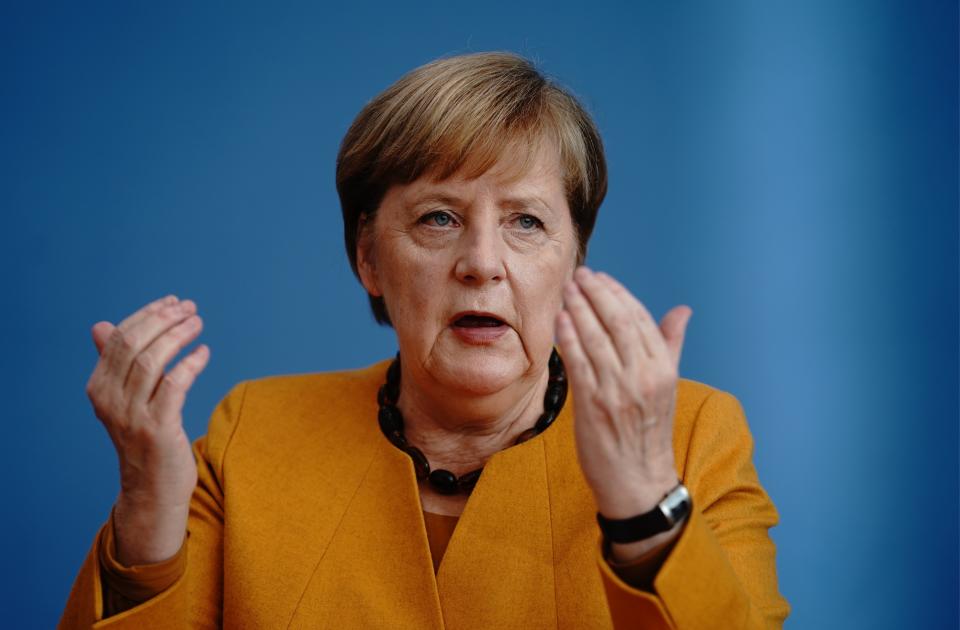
[[141, 408]]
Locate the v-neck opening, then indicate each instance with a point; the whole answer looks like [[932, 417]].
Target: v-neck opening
[[440, 528]]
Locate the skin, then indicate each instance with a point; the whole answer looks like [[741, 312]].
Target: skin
[[623, 369], [462, 402], [430, 258], [141, 408], [478, 249]]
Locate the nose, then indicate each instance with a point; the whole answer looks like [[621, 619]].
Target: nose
[[480, 259]]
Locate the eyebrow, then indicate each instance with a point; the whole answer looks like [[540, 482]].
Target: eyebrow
[[519, 202], [527, 202], [434, 197]]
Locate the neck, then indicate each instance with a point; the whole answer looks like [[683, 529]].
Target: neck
[[461, 433]]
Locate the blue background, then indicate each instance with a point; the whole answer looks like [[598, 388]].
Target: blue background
[[789, 170]]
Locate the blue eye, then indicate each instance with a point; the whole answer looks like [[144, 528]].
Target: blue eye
[[439, 218], [528, 222]]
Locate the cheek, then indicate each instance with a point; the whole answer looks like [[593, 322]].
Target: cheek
[[541, 297], [540, 307], [409, 282]]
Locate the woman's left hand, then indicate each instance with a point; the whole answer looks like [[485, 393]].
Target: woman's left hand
[[623, 370]]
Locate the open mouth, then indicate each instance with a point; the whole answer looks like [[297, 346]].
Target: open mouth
[[477, 321]]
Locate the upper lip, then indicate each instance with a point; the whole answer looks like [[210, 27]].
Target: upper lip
[[453, 320]]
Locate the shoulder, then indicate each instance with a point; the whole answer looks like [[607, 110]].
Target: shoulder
[[707, 420], [271, 411], [714, 450], [691, 395], [309, 388]]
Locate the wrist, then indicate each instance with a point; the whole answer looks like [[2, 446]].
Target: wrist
[[628, 553], [639, 498], [646, 531], [147, 534]]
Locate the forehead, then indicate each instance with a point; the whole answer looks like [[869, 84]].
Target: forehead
[[531, 180]]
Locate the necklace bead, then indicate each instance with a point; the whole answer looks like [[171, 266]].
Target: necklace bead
[[420, 464], [444, 481]]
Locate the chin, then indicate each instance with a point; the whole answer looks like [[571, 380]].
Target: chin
[[480, 371], [481, 381]]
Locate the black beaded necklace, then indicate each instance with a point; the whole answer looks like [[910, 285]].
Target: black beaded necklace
[[444, 481]]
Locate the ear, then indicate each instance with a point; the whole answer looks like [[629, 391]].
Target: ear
[[366, 260]]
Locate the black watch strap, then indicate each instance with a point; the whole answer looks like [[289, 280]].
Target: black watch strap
[[674, 507]]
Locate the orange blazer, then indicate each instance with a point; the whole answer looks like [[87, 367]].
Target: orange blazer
[[304, 516]]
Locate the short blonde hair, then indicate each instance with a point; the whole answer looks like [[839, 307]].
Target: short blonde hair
[[461, 114]]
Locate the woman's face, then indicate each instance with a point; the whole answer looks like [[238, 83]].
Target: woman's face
[[472, 273]]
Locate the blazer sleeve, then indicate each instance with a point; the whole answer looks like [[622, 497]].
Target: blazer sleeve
[[194, 600], [721, 569]]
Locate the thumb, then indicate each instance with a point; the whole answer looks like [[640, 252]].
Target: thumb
[[673, 326], [101, 332]]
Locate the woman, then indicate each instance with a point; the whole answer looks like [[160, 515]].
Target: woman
[[612, 493]]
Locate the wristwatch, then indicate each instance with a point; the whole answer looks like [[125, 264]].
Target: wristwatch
[[674, 507]]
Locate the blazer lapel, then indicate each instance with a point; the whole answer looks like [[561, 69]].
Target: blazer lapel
[[498, 570], [323, 526], [580, 599], [521, 555], [376, 571]]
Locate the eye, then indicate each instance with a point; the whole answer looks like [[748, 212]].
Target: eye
[[529, 222], [438, 218]]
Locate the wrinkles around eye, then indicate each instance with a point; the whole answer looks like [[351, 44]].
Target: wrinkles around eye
[[528, 222], [445, 219]]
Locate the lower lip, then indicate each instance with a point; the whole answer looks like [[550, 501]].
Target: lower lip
[[480, 335]]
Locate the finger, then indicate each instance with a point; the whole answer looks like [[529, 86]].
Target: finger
[[149, 364], [653, 339], [172, 390], [616, 316], [576, 363], [99, 386], [101, 333], [674, 327], [129, 324], [594, 339], [147, 310], [128, 340]]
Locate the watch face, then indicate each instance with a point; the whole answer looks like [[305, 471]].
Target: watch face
[[678, 503], [679, 510]]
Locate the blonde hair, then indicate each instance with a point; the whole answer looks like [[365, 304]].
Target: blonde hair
[[460, 115]]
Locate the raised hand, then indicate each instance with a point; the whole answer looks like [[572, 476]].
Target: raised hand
[[141, 408], [623, 371]]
